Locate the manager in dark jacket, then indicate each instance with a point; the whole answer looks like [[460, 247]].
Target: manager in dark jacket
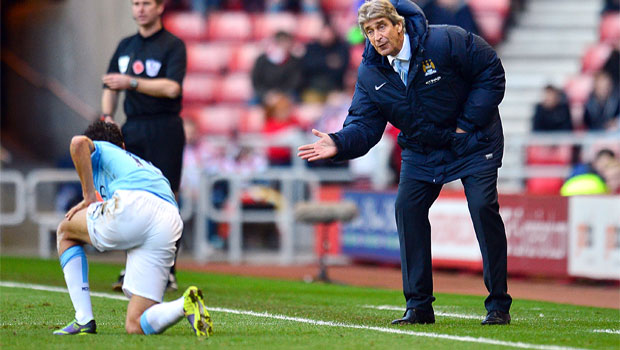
[[441, 86]]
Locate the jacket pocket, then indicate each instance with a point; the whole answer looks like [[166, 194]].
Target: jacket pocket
[[431, 135], [463, 144]]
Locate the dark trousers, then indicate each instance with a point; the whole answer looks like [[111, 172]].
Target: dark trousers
[[413, 202], [159, 141]]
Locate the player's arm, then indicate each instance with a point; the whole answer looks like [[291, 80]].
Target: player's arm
[[80, 149], [159, 87]]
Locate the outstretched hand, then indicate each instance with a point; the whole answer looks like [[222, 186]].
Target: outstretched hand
[[324, 148]]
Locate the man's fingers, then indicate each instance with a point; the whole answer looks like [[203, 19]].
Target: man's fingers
[[305, 153], [316, 157], [70, 214], [318, 133], [305, 147]]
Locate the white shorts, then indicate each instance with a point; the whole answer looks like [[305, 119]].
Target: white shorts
[[148, 228]]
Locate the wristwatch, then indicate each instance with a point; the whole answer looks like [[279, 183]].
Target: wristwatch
[[133, 84]]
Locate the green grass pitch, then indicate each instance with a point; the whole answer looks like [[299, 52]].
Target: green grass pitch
[[253, 313]]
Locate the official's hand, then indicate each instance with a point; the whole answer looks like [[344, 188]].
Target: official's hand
[[324, 148], [460, 131], [116, 81]]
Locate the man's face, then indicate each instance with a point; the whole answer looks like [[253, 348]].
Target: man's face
[[385, 37], [551, 98], [146, 12]]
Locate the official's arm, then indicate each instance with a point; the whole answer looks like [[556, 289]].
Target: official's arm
[[160, 87]]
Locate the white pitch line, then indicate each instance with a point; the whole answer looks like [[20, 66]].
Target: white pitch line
[[610, 331], [466, 339], [437, 313], [58, 289]]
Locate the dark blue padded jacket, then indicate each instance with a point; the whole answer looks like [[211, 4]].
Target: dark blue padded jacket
[[455, 80]]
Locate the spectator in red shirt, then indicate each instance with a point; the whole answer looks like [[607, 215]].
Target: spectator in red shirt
[[280, 124]]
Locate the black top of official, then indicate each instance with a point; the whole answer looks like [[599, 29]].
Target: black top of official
[[161, 55]]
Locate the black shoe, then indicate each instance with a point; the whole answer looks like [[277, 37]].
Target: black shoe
[[413, 316], [496, 317], [118, 285]]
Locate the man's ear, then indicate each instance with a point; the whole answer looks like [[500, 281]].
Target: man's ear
[[124, 145]]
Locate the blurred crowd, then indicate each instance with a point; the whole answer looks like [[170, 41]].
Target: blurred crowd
[[597, 170], [298, 84]]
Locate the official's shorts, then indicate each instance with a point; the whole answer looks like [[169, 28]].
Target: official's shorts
[[147, 227], [160, 141]]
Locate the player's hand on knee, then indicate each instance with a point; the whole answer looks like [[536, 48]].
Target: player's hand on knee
[[81, 205]]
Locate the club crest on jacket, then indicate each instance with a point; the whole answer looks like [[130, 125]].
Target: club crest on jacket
[[428, 67]]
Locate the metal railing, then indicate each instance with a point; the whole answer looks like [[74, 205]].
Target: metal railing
[[28, 200], [519, 143], [47, 220], [291, 184], [18, 215]]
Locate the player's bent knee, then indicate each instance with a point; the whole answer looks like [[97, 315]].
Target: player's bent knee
[[64, 231], [60, 230], [61, 233]]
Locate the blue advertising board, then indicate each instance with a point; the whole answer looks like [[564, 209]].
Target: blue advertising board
[[372, 235]]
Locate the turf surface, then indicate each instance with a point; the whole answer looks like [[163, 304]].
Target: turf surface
[[285, 317]]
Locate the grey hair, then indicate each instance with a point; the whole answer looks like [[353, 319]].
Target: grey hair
[[373, 9]]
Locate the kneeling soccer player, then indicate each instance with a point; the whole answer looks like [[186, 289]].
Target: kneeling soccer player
[[140, 215]]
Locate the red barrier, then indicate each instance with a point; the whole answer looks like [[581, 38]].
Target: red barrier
[[537, 233]]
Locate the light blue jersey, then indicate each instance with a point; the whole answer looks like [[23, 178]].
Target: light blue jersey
[[117, 169]]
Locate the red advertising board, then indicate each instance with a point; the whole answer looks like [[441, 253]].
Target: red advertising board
[[537, 231]]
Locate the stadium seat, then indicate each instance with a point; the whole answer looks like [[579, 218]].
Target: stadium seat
[[208, 57], [355, 54], [491, 26], [309, 27], [191, 112], [338, 5], [217, 119], [595, 57], [499, 7], [266, 25], [610, 28], [549, 155], [235, 88], [578, 89], [186, 25], [544, 185], [199, 88], [229, 26], [244, 57], [252, 120]]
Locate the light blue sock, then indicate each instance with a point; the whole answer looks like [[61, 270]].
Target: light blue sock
[[159, 317], [75, 267]]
